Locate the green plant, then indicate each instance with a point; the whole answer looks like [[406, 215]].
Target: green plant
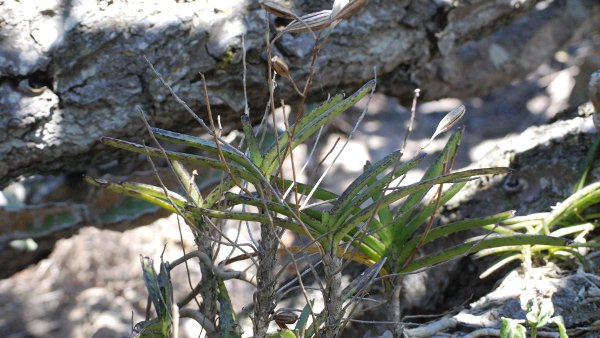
[[360, 218], [539, 313], [375, 221], [575, 217]]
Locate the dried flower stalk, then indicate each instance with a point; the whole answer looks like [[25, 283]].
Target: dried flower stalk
[[310, 22], [277, 9], [343, 9]]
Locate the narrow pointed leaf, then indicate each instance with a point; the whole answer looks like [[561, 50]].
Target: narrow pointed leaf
[[404, 191], [121, 189], [366, 177], [400, 233], [348, 208], [227, 323], [247, 216], [276, 207], [448, 229], [320, 109], [151, 281], [487, 243], [303, 319], [580, 200], [228, 151], [253, 148], [166, 293], [305, 189], [434, 170], [363, 280], [307, 129], [589, 163], [183, 157], [187, 180]]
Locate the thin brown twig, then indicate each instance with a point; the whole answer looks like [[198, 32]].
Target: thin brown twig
[[216, 138], [291, 154], [165, 190], [446, 167], [271, 101]]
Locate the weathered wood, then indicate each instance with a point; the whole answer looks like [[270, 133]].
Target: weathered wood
[[72, 71]]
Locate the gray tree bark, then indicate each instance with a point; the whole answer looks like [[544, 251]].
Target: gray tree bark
[[73, 71]]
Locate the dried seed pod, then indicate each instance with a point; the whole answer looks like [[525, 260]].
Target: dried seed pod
[[310, 22], [285, 317], [280, 67], [343, 9], [447, 122], [277, 9]]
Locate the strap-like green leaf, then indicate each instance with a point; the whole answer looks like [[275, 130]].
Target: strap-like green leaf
[[580, 200], [161, 294], [183, 157], [400, 233], [366, 177], [155, 197], [487, 243], [449, 229], [283, 141], [305, 189], [320, 109], [434, 170], [187, 180], [253, 148], [303, 319], [166, 292], [227, 323], [404, 191], [276, 207], [311, 126], [352, 206], [588, 165], [247, 216], [228, 151]]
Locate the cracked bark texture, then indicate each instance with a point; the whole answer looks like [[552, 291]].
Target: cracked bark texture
[[72, 71]]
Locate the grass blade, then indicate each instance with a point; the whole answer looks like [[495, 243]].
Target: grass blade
[[473, 247], [452, 228]]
